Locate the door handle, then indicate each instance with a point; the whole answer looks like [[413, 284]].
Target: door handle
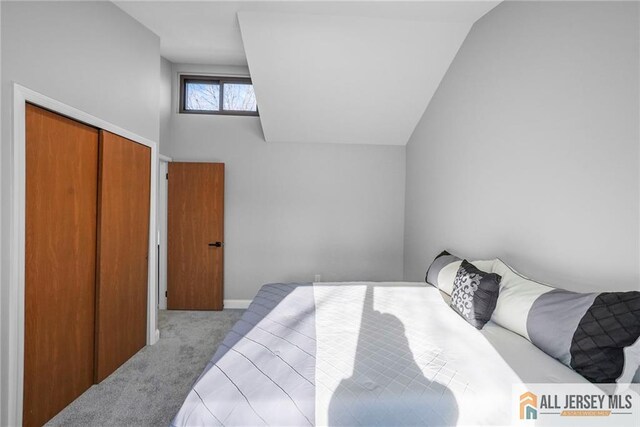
[[216, 244]]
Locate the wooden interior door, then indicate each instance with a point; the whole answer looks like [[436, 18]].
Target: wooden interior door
[[60, 262], [195, 253], [123, 248]]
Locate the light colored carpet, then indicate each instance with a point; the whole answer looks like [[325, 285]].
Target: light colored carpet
[[149, 389]]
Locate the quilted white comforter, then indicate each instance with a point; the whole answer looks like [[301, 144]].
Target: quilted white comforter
[[363, 353]]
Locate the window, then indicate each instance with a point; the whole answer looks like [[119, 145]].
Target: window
[[217, 95]]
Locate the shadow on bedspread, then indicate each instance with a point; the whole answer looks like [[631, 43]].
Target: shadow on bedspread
[[387, 386]]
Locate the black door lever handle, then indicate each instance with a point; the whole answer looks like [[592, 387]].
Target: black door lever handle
[[217, 244]]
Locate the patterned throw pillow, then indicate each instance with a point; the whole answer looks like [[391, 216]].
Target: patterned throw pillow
[[475, 294], [443, 269]]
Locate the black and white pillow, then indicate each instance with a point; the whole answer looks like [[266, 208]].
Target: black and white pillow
[[475, 294], [442, 271], [596, 334]]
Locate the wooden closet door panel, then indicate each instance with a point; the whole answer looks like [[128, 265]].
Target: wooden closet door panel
[[123, 247], [61, 192], [195, 220]]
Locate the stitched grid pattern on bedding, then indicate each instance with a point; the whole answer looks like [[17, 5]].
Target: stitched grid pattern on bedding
[[263, 372]]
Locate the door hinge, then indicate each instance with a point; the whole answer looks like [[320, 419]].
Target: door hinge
[[167, 175], [166, 294]]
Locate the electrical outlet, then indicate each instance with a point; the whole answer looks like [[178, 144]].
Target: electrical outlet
[[318, 278]]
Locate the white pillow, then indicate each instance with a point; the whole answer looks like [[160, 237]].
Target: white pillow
[[517, 294]]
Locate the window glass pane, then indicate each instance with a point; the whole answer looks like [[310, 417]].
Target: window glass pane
[[203, 96], [239, 97]]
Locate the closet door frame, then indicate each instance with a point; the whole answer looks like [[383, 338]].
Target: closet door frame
[[12, 337]]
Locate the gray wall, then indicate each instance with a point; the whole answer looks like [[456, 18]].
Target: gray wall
[[529, 149], [294, 210], [90, 55]]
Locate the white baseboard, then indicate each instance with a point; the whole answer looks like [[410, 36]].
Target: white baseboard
[[237, 303]]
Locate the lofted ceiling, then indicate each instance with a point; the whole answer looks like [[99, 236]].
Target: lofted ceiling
[[358, 72]]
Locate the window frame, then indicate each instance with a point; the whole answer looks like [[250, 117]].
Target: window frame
[[221, 81]]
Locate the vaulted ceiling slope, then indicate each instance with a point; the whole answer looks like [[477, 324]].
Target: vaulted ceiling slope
[[360, 72], [345, 79]]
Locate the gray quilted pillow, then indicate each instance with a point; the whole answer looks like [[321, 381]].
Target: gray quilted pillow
[[596, 334]]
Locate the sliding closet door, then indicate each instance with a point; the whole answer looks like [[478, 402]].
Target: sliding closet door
[[123, 247], [195, 236], [60, 261]]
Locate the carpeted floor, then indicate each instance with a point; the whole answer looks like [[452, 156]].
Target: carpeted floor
[[149, 388]]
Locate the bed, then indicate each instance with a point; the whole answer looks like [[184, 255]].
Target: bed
[[363, 353]]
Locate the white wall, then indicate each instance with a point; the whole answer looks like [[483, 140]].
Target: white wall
[[166, 74], [295, 210], [89, 55], [166, 111], [529, 149], [2, 294]]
